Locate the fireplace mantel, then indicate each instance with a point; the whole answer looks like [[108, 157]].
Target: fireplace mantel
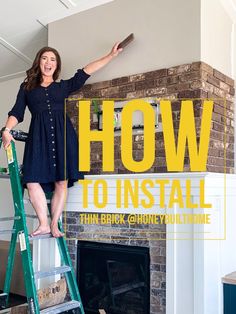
[[197, 255]]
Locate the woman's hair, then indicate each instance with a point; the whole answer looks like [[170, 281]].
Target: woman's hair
[[34, 76]]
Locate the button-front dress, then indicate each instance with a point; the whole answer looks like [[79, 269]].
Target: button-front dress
[[50, 132]]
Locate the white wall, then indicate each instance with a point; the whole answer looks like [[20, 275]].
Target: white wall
[[8, 92], [166, 33], [229, 6], [216, 40]]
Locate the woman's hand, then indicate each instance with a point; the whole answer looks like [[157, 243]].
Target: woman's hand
[[6, 139], [115, 51]]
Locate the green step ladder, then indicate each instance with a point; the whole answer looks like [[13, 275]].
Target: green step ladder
[[20, 230]]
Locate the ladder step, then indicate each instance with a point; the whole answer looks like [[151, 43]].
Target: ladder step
[[33, 216], [41, 236], [60, 308], [7, 231], [3, 301], [9, 218], [4, 176], [52, 272]]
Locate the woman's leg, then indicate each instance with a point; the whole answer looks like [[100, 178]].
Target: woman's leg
[[39, 202], [57, 205]]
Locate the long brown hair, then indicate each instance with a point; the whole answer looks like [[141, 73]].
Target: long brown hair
[[34, 76]]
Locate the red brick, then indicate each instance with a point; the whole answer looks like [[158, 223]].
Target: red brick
[[213, 152], [213, 80], [219, 92], [137, 77], [213, 168], [144, 84], [106, 92], [215, 161], [196, 84], [177, 87], [218, 127], [100, 85], [120, 81], [179, 69], [190, 76], [155, 74], [189, 94], [172, 79], [136, 94], [207, 87], [155, 91], [216, 117], [86, 87], [219, 75], [229, 97], [202, 66], [127, 88], [224, 87], [229, 81], [161, 81], [232, 91]]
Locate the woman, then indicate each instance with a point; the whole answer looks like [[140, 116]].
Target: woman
[[43, 163]]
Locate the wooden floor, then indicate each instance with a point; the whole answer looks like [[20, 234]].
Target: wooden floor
[[14, 300], [20, 309]]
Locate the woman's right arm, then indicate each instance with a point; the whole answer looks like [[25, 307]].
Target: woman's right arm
[[15, 116], [6, 135]]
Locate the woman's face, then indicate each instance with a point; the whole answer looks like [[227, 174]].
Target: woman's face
[[48, 64]]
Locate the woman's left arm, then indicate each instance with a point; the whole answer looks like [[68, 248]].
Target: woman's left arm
[[98, 64]]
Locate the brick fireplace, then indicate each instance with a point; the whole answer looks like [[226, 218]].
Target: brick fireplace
[[151, 237], [196, 80]]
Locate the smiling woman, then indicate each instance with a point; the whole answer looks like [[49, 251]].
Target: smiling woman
[[45, 69], [44, 166], [48, 64]]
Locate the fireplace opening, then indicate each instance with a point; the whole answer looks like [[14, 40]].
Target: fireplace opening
[[113, 277]]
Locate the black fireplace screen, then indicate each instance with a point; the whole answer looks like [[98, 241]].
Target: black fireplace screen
[[114, 278]]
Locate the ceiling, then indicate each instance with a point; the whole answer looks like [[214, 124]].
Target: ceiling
[[23, 29]]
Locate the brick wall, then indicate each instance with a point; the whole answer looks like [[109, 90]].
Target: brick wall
[[195, 80]]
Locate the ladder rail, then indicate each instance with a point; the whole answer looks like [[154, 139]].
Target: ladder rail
[[20, 230], [19, 225], [71, 279], [10, 264], [65, 257]]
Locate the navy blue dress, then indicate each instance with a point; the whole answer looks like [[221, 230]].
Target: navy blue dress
[[44, 159]]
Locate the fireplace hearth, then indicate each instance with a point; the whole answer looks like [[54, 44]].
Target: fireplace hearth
[[114, 278]]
